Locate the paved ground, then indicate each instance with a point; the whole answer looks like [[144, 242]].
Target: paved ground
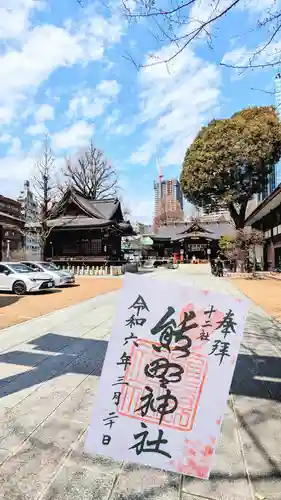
[[49, 369]]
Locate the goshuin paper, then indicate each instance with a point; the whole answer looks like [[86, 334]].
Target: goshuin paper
[[166, 375]]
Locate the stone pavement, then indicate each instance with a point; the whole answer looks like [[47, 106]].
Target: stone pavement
[[49, 371]]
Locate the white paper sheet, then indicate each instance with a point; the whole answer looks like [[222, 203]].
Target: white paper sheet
[[163, 390]]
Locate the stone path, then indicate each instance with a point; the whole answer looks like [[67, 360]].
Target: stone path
[[49, 371]]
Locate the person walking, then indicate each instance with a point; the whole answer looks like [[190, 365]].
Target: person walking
[[219, 265]]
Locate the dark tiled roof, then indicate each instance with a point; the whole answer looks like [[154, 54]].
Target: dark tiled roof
[[196, 228], [11, 218], [107, 207], [101, 209], [78, 221], [174, 231], [97, 213]]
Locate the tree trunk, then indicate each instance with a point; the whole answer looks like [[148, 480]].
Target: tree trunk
[[238, 218], [254, 271]]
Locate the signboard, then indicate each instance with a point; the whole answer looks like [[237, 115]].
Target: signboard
[[166, 376], [197, 247]]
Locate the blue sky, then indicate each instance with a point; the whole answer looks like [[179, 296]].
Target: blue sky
[[64, 70]]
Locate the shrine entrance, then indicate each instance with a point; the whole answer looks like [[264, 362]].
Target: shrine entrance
[[198, 250], [196, 244]]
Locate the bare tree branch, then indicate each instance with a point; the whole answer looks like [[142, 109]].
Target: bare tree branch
[[153, 12], [265, 91], [92, 175], [174, 21], [46, 191], [271, 38], [252, 66], [178, 15], [43, 180]]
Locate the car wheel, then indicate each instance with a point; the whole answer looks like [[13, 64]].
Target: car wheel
[[19, 288]]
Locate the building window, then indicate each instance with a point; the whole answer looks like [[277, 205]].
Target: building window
[[96, 247]]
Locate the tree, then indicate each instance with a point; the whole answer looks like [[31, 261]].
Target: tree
[[230, 160], [92, 175], [242, 247], [226, 244], [247, 240], [45, 191], [181, 22]]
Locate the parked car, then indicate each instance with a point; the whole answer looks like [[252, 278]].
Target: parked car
[[20, 279], [61, 278]]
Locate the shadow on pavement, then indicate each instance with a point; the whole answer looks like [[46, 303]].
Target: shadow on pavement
[[255, 376], [8, 300], [54, 362]]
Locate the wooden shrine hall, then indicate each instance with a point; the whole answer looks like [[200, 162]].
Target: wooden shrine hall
[[196, 239], [86, 231]]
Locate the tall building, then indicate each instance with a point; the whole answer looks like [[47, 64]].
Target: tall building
[[30, 214], [274, 178], [204, 215], [277, 170], [11, 232], [168, 200], [139, 227]]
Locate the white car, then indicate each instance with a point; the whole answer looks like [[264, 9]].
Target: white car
[[61, 278], [19, 279]]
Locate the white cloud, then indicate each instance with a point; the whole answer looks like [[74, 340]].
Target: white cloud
[[237, 56], [45, 112], [5, 138], [37, 129], [124, 129], [112, 126], [30, 54], [86, 104], [189, 21], [200, 12], [90, 103], [243, 56], [259, 6], [6, 113], [74, 137], [14, 17], [46, 48], [111, 119], [260, 53], [19, 165], [142, 211], [108, 88], [15, 147], [174, 104]]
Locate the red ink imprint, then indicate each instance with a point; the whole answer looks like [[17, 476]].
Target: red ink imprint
[[197, 458], [187, 391]]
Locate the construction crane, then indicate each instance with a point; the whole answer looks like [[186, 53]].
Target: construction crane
[[159, 170]]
